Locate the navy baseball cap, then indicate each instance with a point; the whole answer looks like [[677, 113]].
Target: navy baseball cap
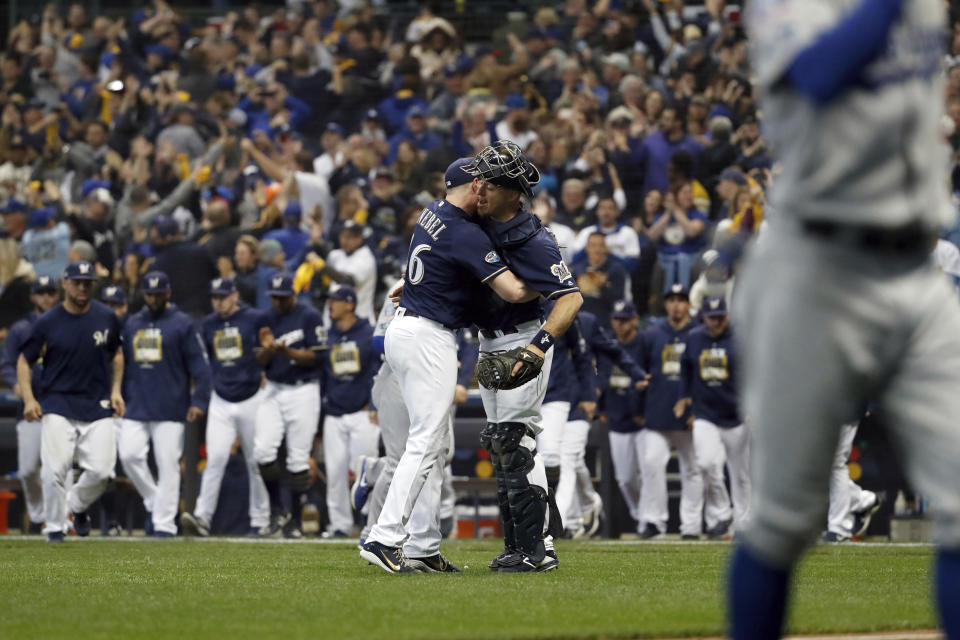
[[517, 101], [293, 210], [623, 310], [676, 290], [714, 307], [333, 127], [114, 295], [281, 285], [222, 286], [14, 206], [417, 111], [40, 217], [343, 292], [166, 226], [455, 175], [155, 282], [733, 175], [80, 270], [372, 114], [44, 284]]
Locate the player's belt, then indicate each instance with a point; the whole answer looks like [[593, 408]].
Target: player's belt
[[493, 334], [413, 314], [905, 239]]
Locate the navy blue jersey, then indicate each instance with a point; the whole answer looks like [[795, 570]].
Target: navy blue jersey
[[708, 370], [348, 368], [230, 344], [531, 253], [77, 352], [16, 337], [573, 374], [302, 328], [605, 347], [448, 255], [162, 355], [663, 349], [622, 402], [467, 354]]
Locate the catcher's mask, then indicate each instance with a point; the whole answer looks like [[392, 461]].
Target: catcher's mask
[[503, 164]]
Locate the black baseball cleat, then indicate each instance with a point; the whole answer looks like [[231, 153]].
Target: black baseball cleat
[[81, 523], [390, 559], [433, 564], [495, 563], [278, 520], [650, 532], [689, 536], [192, 526], [55, 536], [522, 563], [720, 530], [832, 537], [861, 519], [292, 530]]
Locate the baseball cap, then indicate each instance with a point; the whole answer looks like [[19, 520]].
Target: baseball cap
[[516, 101], [269, 248], [80, 270], [372, 114], [619, 61], [733, 175], [716, 306], [14, 206], [623, 310], [155, 282], [166, 226], [293, 210], [333, 127], [222, 286], [416, 111], [114, 295], [40, 217], [455, 175], [43, 284], [676, 290], [343, 292], [281, 285]]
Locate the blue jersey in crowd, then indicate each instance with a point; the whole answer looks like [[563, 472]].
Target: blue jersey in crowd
[[622, 402], [709, 377], [16, 337], [605, 348], [77, 352], [230, 344], [531, 252], [348, 368], [448, 254], [663, 348], [302, 328], [163, 354]]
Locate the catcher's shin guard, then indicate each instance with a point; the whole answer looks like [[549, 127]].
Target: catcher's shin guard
[[487, 435], [527, 503]]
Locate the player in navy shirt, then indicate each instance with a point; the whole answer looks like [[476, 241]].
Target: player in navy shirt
[[349, 365], [622, 404], [289, 344], [709, 386], [450, 258], [165, 360], [77, 392], [231, 336], [43, 294], [116, 298], [663, 348]]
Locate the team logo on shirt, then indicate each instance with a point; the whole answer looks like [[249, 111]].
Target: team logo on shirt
[[670, 358], [345, 358], [148, 345], [714, 366], [100, 337], [227, 344], [560, 270], [277, 282], [492, 257]]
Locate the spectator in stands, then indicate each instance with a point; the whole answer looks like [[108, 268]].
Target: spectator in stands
[[415, 131], [678, 231], [16, 274], [543, 207], [271, 262], [46, 243], [245, 258], [291, 237], [573, 210], [218, 236], [621, 240], [356, 260], [515, 125], [657, 149], [189, 267], [602, 279]]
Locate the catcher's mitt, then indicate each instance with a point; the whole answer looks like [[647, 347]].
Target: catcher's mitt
[[495, 368]]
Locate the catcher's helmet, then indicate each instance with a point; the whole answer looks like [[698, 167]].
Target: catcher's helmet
[[503, 164]]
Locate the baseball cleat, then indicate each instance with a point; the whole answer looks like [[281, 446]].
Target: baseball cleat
[[292, 531], [522, 563], [163, 535], [433, 564], [81, 523], [254, 532], [495, 563], [650, 532], [592, 516], [390, 559], [55, 536], [361, 486], [861, 519], [193, 526], [278, 520], [720, 530], [831, 537], [148, 524], [35, 528]]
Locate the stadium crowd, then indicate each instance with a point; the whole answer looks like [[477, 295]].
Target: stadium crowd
[[305, 139]]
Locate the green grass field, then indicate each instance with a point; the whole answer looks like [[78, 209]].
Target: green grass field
[[233, 589]]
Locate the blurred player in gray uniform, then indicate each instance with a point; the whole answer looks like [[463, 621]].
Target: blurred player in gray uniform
[[841, 302]]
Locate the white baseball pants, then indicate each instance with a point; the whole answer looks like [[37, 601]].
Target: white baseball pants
[[423, 355], [344, 438], [96, 450], [846, 496], [548, 440], [287, 410], [227, 421], [161, 497], [716, 446], [28, 467], [655, 447], [626, 453], [572, 466]]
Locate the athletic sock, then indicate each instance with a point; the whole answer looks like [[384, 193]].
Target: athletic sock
[[948, 591], [273, 490], [758, 597]]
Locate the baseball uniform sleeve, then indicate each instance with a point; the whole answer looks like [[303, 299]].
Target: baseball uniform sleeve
[[36, 340], [588, 380], [603, 343], [686, 371], [198, 364], [476, 253], [538, 263], [18, 334]]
